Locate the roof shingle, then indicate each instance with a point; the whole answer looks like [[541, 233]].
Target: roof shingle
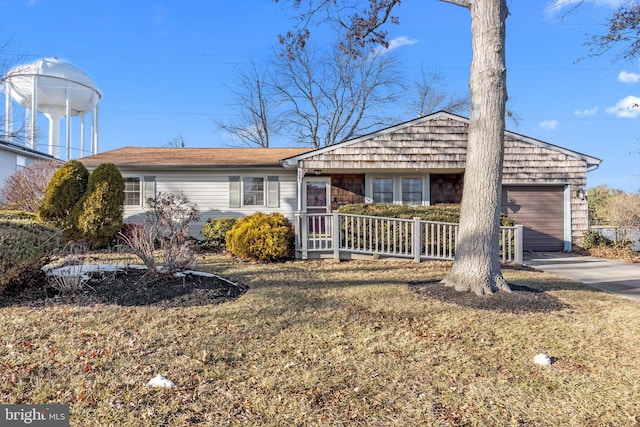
[[147, 157]]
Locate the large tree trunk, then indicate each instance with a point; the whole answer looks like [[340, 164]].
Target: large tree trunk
[[477, 264]]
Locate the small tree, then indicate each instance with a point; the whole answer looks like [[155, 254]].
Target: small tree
[[66, 187], [25, 189], [623, 211], [598, 198], [98, 214]]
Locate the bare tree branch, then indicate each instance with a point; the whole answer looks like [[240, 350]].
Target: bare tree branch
[[463, 3], [332, 97], [431, 95], [254, 104], [623, 29]]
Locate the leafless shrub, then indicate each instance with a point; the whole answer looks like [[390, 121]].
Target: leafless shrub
[[141, 241], [69, 280], [166, 229], [24, 189]]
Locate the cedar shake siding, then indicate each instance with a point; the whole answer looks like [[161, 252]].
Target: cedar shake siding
[[446, 189], [346, 189], [436, 145]]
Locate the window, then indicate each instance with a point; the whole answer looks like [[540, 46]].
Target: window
[[253, 194], [382, 190], [412, 191], [21, 162], [137, 191], [132, 191], [407, 190], [254, 191]]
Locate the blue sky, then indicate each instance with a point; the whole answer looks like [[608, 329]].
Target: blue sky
[[163, 66]]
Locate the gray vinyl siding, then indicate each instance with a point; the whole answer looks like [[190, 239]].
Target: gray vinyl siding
[[9, 161], [209, 190]]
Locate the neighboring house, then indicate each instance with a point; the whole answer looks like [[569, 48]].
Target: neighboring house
[[419, 162], [14, 157]]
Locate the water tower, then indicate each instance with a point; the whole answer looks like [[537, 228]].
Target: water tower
[[57, 89]]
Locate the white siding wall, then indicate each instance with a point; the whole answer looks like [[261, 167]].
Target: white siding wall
[[209, 190], [7, 165]]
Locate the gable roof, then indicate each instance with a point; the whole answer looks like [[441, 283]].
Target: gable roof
[[292, 162], [198, 158]]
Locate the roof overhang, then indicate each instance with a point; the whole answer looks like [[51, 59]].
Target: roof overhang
[[25, 151]]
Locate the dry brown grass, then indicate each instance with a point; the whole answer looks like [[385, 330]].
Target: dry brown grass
[[318, 343]]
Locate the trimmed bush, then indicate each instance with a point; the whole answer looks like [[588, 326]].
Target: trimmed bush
[[25, 248], [389, 238], [66, 187], [391, 210], [262, 237], [215, 231], [98, 214], [425, 213], [11, 215]]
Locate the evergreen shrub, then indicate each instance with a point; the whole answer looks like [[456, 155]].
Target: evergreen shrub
[[214, 232], [98, 214], [25, 247], [66, 187], [438, 213], [594, 239], [7, 214], [263, 237], [388, 237]]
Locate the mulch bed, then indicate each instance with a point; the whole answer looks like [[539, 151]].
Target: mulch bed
[[522, 299], [130, 288]]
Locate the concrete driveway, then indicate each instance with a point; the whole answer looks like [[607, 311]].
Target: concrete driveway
[[617, 277]]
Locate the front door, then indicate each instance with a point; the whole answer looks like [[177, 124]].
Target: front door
[[317, 195], [317, 200]]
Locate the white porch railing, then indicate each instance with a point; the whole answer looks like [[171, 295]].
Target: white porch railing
[[336, 233]]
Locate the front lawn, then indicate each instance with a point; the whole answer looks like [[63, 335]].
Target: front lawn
[[323, 343]]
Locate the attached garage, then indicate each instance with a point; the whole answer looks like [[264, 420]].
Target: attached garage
[[541, 210]]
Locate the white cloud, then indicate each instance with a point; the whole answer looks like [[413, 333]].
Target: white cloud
[[587, 112], [549, 124], [628, 107], [626, 77], [557, 6], [396, 43]]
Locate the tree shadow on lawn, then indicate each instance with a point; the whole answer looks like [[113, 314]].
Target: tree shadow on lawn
[[296, 278], [530, 286]]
